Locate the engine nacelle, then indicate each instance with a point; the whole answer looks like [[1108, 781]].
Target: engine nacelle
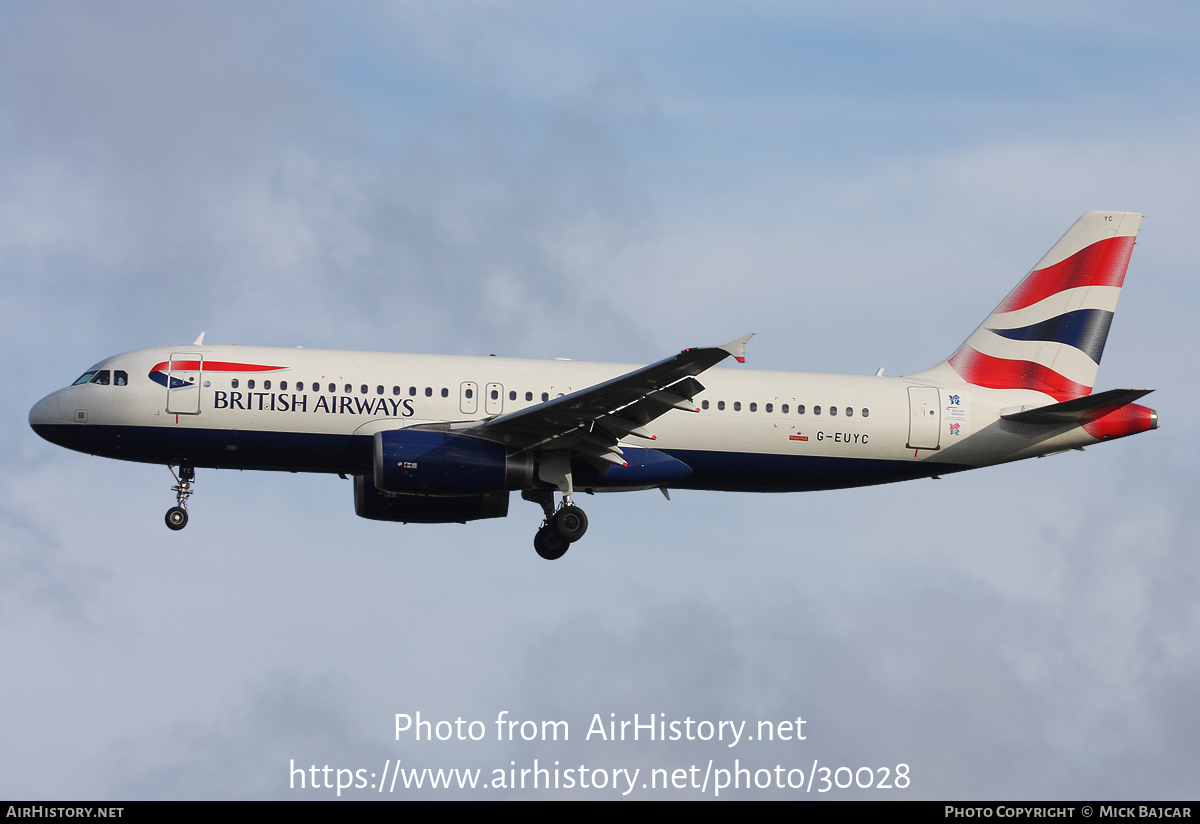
[[442, 463], [371, 503]]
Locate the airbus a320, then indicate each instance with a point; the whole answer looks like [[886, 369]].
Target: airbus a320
[[442, 439]]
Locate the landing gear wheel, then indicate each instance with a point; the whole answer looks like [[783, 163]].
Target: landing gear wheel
[[569, 523], [176, 518], [549, 545]]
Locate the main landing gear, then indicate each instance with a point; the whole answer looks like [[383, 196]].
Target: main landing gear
[[177, 516], [560, 528]]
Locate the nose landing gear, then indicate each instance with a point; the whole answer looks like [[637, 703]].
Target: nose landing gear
[[177, 516], [560, 528]]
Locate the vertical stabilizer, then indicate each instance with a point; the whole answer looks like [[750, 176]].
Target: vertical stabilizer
[[1049, 333]]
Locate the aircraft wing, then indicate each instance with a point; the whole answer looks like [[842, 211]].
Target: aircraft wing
[[592, 420]]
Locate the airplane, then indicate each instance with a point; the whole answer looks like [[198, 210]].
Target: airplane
[[441, 439]]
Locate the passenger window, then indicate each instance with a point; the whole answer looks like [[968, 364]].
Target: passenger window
[[349, 389], [512, 396], [704, 404], [429, 391], [234, 383], [866, 412], [445, 392], [849, 411], [101, 378], [412, 390], [250, 383], [770, 408], [84, 378], [737, 406], [332, 388], [266, 384], [363, 389], [120, 378], [833, 410], [470, 393], [783, 409], [753, 407], [800, 409], [720, 406], [528, 396], [545, 397], [495, 395], [395, 390], [816, 410]]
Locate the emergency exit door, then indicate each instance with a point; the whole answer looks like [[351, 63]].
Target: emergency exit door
[[493, 400], [468, 397]]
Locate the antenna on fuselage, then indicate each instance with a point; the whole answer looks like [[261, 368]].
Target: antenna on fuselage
[[199, 341]]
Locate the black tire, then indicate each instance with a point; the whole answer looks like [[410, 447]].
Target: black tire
[[176, 518], [549, 545], [570, 523]]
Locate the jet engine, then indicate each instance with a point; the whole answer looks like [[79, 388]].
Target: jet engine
[[370, 502], [442, 463]]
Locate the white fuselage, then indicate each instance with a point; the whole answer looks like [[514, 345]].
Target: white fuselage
[[316, 410]]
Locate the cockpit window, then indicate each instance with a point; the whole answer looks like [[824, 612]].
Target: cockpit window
[[85, 377], [120, 378], [102, 377]]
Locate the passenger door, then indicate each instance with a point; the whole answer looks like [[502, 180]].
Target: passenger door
[[924, 417], [184, 373]]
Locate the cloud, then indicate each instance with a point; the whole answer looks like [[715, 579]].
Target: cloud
[[600, 185], [284, 719]]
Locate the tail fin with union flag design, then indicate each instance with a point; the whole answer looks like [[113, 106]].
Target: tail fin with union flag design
[[1049, 333]]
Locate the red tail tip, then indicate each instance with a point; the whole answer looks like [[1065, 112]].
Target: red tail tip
[[1128, 420]]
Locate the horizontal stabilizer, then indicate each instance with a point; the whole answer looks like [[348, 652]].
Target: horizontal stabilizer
[[1079, 410]]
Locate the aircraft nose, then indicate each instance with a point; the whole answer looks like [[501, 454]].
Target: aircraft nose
[[44, 412]]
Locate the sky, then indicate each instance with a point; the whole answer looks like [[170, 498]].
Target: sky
[[858, 184]]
